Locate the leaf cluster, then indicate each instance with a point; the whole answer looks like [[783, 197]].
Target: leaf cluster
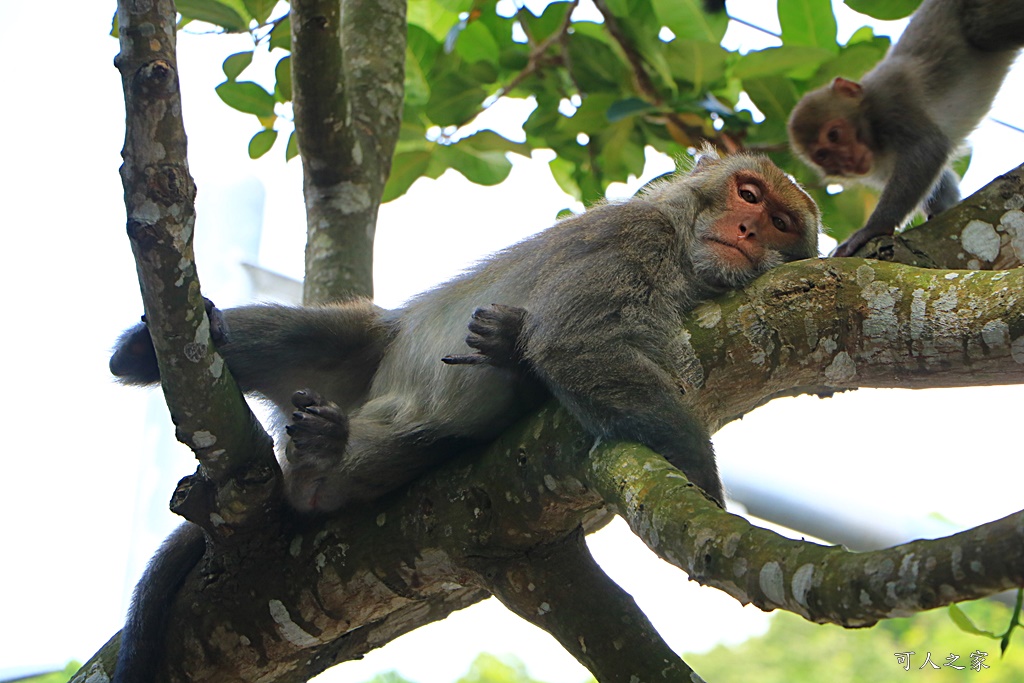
[[606, 85]]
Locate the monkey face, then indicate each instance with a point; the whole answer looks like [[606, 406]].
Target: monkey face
[[757, 230], [838, 151]]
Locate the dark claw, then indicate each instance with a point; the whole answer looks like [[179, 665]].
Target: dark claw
[[465, 359], [218, 325]]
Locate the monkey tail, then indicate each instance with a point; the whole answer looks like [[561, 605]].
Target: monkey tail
[[142, 637]]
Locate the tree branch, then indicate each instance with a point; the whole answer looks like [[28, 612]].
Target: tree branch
[[562, 590], [210, 415], [983, 232], [821, 326], [824, 584], [348, 69]]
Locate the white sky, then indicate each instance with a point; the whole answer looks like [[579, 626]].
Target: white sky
[[83, 503]]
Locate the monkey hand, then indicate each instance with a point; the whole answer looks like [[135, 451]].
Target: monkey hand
[[318, 431], [858, 239], [495, 333]]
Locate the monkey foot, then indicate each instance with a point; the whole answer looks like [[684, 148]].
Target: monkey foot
[[494, 332], [319, 430]]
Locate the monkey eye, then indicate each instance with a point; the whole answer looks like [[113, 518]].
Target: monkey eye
[[750, 193], [821, 156], [833, 135], [780, 223]]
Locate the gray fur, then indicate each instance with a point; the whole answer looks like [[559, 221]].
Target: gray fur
[[605, 293], [919, 104]]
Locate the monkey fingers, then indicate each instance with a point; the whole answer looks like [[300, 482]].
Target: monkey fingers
[[494, 331], [857, 240], [218, 325], [319, 429]]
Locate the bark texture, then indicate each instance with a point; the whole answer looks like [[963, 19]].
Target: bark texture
[[280, 598], [348, 70], [238, 474]]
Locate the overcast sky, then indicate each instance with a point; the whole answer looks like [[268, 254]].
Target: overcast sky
[[91, 465]]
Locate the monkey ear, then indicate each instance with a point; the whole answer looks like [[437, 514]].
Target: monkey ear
[[845, 86], [707, 156]]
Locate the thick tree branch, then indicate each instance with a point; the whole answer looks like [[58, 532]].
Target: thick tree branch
[[820, 583], [983, 232], [562, 590], [833, 324], [348, 69], [206, 407]]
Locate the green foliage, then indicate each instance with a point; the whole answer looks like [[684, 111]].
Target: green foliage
[[884, 9], [55, 677], [796, 650], [650, 74], [484, 669]]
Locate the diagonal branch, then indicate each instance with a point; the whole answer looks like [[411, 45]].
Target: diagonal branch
[[821, 583], [210, 415], [562, 590]]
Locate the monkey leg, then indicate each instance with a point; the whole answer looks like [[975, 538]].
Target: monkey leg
[[318, 435], [944, 195], [334, 462]]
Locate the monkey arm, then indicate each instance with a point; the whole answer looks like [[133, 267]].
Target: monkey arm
[[621, 393], [920, 158]]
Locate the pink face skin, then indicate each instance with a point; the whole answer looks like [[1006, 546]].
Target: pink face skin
[[755, 221], [838, 151]]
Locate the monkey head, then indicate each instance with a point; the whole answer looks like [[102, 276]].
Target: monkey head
[[758, 218], [826, 129]]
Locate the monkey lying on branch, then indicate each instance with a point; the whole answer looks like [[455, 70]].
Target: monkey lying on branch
[[898, 129], [606, 292]]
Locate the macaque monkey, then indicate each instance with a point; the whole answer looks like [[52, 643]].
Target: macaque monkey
[[605, 293], [898, 129]]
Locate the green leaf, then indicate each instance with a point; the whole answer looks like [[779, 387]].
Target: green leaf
[[596, 67], [235, 64], [246, 96], [281, 34], [853, 61], [405, 169], [884, 9], [808, 22], [431, 17], [115, 26], [454, 100], [259, 9], [781, 61], [962, 163], [480, 167], [564, 172], [775, 96], [621, 152], [697, 62], [261, 143], [688, 20], [213, 12], [283, 75], [292, 149], [489, 141], [475, 44], [550, 20], [628, 107], [964, 623]]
